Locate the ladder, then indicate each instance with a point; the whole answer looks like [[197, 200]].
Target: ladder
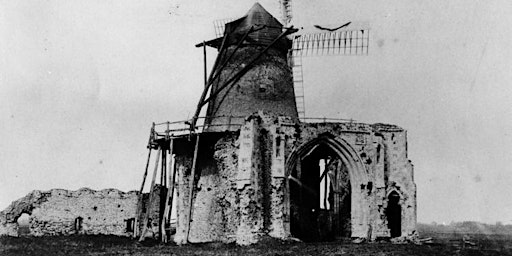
[[298, 84], [140, 204]]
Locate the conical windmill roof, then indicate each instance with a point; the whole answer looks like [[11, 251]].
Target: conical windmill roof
[[268, 29], [257, 16]]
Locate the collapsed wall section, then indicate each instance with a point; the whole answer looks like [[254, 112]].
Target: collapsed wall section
[[63, 212], [400, 175]]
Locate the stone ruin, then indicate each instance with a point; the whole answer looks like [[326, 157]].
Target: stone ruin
[[281, 179], [271, 174], [84, 211], [259, 170]]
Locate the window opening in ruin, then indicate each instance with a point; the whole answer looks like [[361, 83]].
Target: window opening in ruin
[[130, 225], [278, 146], [394, 214], [320, 196], [23, 224], [78, 224]]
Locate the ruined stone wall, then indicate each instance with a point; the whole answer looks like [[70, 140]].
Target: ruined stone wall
[[155, 211], [242, 192], [56, 212], [383, 150], [401, 177], [215, 215]]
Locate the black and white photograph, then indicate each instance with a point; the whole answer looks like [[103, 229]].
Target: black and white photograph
[[272, 127]]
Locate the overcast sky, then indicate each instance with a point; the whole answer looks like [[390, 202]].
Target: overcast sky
[[81, 82]]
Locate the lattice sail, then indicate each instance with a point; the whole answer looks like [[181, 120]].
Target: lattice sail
[[219, 26], [347, 42]]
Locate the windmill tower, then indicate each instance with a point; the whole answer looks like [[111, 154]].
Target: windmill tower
[[312, 40], [250, 73]]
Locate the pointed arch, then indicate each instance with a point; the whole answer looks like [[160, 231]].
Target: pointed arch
[[357, 170], [395, 190], [358, 175]]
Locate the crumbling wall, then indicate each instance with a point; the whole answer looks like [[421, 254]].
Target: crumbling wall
[[63, 212], [401, 177], [215, 215], [382, 148], [242, 189], [261, 179], [251, 181], [155, 211]]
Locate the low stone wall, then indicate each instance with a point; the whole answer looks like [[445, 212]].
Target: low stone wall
[[63, 212]]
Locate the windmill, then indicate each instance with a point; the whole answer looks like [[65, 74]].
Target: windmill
[[258, 68], [349, 38]]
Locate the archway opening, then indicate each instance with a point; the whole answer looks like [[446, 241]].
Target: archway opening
[[23, 224], [78, 224], [320, 200], [394, 214]]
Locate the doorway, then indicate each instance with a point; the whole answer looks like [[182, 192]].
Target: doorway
[[320, 197], [394, 214]]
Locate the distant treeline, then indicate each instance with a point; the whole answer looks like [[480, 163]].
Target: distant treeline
[[466, 227]]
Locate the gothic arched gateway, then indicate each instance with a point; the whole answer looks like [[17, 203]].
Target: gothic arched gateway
[[325, 202]]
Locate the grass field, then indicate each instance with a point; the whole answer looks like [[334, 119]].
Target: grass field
[[112, 245]]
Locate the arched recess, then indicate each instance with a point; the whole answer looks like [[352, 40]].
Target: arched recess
[[23, 222], [394, 213], [357, 172]]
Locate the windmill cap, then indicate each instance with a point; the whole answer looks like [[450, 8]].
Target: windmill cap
[[267, 29], [257, 15]]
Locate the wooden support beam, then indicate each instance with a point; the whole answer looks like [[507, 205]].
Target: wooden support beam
[[191, 186], [244, 70], [170, 194], [163, 183], [164, 168], [204, 66], [151, 192], [325, 183], [139, 196], [207, 87], [216, 71]]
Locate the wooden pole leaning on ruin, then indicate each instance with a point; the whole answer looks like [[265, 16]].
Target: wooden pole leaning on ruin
[[148, 208], [231, 81], [191, 186], [139, 197], [166, 218], [163, 172], [216, 70], [163, 183]]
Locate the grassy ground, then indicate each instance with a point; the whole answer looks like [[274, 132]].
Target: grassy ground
[[111, 245]]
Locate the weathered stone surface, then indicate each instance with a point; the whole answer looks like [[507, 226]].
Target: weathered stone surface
[[63, 212], [244, 207], [215, 212]]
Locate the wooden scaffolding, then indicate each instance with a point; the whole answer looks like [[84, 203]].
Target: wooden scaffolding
[[164, 145]]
